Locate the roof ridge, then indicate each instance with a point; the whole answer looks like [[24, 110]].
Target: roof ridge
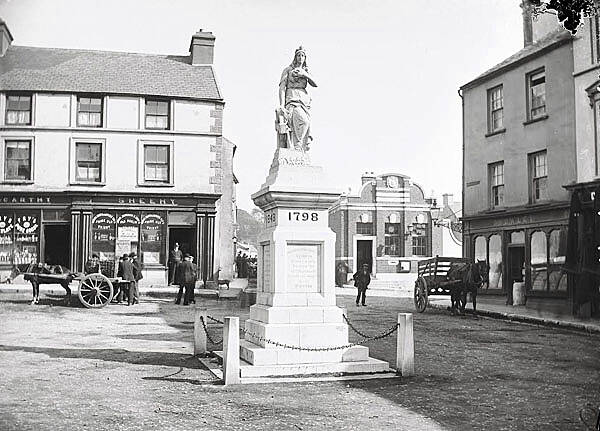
[[99, 51]]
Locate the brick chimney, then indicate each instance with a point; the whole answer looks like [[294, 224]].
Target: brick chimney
[[202, 47], [5, 37], [527, 22], [447, 199], [368, 177]]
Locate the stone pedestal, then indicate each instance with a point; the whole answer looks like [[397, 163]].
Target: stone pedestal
[[295, 301]]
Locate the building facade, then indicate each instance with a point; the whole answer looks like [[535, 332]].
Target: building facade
[[519, 153], [111, 152], [387, 225]]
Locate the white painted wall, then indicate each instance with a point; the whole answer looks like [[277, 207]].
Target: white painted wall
[[192, 116], [52, 110], [122, 112]]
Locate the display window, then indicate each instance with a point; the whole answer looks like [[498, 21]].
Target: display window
[[19, 238], [153, 238], [128, 234], [104, 236]]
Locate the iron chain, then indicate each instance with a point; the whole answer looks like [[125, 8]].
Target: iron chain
[[208, 337]]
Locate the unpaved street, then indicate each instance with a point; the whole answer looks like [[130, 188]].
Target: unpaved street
[[131, 368]]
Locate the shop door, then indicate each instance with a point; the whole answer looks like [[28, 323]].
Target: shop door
[[186, 238], [57, 244], [516, 262], [364, 254]]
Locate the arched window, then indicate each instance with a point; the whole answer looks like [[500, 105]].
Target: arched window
[[481, 251], [539, 260], [393, 218], [557, 279], [495, 261]]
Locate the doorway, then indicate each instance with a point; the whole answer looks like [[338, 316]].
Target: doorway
[[516, 263], [57, 244], [364, 254], [186, 238]]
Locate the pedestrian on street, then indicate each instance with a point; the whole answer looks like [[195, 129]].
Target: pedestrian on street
[[127, 275], [137, 274], [362, 278], [186, 278], [175, 258], [92, 266]]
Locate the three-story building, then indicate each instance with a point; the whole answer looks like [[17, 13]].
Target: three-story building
[[113, 152]]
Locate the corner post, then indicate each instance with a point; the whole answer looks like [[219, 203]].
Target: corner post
[[405, 347], [231, 351]]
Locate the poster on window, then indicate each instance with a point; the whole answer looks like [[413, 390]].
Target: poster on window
[[123, 247]]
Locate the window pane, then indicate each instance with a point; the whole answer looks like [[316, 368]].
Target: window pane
[[163, 108], [480, 248], [161, 154], [151, 107], [539, 261], [495, 260], [162, 173]]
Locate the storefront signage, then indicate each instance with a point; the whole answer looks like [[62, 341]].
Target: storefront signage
[[6, 224], [103, 221], [149, 201], [25, 200], [130, 219], [26, 224]]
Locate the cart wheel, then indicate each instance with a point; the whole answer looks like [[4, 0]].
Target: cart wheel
[[421, 298], [95, 290]]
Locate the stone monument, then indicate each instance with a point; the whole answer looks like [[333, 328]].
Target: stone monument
[[295, 301]]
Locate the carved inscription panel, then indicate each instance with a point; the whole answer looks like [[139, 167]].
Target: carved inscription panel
[[303, 268], [266, 267]]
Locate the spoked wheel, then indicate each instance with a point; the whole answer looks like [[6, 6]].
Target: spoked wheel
[[421, 298], [95, 291]]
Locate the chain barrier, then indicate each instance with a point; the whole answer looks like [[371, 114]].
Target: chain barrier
[[365, 338], [208, 337]]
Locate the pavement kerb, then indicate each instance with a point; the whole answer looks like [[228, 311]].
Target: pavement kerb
[[529, 319]]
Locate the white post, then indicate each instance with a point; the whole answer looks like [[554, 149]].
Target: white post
[[231, 351], [199, 332], [405, 348], [345, 312]]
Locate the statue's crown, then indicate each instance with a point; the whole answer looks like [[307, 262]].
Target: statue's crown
[[300, 49]]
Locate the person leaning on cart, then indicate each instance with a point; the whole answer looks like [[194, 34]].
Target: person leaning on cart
[[92, 266]]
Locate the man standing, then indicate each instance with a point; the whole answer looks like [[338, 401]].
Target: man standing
[[186, 278], [175, 257], [137, 274], [127, 275], [92, 266], [362, 278]]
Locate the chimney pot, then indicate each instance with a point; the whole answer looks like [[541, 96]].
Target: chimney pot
[[527, 22], [5, 37], [202, 47]]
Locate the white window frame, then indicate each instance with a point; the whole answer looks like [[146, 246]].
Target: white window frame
[[142, 163], [534, 175], [31, 140], [491, 110], [73, 161], [493, 185], [536, 74]]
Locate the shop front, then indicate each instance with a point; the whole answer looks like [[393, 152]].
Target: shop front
[[67, 228], [524, 249]]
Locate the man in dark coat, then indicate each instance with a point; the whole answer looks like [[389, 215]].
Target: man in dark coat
[[92, 266], [137, 274], [127, 275], [175, 258], [362, 278], [123, 287], [186, 278]]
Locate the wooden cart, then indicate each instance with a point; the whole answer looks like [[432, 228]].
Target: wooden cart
[[432, 279]]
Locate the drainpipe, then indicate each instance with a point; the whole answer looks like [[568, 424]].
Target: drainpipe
[[462, 186]]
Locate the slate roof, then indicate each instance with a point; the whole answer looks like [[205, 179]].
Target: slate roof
[[25, 68], [548, 42]]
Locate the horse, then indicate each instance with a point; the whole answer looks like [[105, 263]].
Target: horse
[[469, 277], [49, 274]]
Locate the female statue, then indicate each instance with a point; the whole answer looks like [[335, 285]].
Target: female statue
[[294, 111]]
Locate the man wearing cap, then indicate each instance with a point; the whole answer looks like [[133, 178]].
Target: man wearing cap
[[92, 266], [362, 278], [137, 274], [186, 278], [175, 257], [126, 273]]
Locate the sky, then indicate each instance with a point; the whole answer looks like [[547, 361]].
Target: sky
[[388, 71]]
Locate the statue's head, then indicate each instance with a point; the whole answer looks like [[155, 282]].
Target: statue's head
[[299, 58]]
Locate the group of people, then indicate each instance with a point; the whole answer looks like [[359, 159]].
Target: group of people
[[183, 272], [129, 270], [245, 265]]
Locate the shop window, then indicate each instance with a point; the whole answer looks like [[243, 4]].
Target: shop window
[[481, 251], [495, 261], [156, 163], [103, 240], [538, 176], [419, 246], [128, 234], [88, 161], [539, 261], [557, 279], [496, 171], [153, 239], [19, 238], [89, 111], [18, 160], [157, 114], [536, 83], [392, 239], [18, 110], [495, 109]]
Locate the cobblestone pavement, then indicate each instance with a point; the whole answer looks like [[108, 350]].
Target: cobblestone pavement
[[129, 368]]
